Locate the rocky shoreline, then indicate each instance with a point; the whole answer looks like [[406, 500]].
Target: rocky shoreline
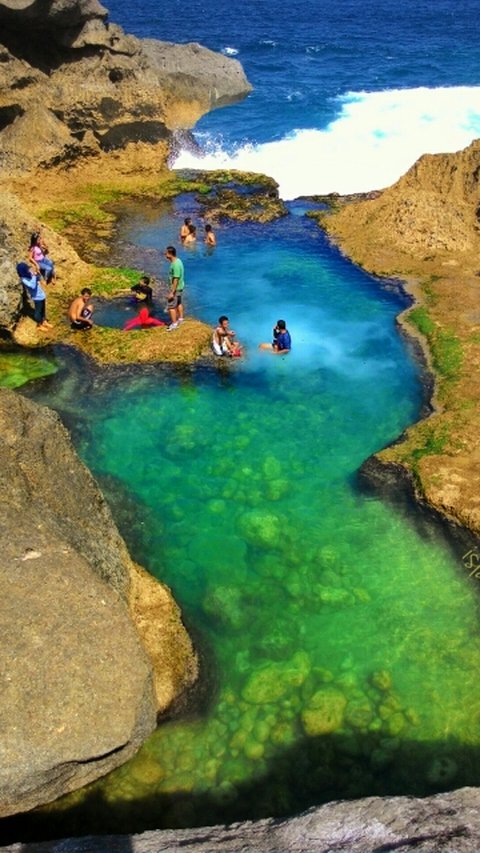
[[80, 623], [424, 231]]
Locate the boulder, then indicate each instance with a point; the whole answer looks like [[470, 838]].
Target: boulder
[[324, 713], [77, 683]]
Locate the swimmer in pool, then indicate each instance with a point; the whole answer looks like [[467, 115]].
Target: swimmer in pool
[[282, 342]]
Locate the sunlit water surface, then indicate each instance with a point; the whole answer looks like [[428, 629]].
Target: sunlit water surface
[[339, 639]]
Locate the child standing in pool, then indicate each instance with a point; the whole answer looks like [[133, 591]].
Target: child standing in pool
[[210, 239]]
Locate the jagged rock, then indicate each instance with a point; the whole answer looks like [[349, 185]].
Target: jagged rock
[[98, 84], [76, 681], [10, 293], [432, 210], [54, 143], [57, 20]]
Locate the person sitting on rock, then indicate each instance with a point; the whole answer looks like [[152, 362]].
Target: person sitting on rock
[[31, 283], [223, 342], [80, 311], [38, 255]]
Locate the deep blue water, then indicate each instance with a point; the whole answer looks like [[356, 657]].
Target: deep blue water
[[366, 79]]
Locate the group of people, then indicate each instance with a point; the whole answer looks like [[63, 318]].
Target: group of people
[[34, 275], [224, 343], [41, 271], [188, 233]]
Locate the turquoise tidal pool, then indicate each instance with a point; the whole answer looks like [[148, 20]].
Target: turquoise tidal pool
[[338, 634]]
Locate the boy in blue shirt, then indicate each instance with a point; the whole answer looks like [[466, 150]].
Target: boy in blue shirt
[[282, 342]]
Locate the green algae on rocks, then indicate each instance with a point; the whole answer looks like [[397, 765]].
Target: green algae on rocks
[[18, 368]]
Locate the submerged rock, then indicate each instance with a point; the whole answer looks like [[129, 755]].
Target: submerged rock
[[275, 680], [261, 529], [324, 713]]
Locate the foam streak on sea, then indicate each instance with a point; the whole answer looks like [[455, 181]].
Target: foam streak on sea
[[374, 139]]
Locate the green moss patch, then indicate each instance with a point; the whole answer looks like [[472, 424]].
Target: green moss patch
[[445, 346], [422, 321], [108, 281]]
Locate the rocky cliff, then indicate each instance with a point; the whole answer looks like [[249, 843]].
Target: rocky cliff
[[72, 85], [81, 680], [425, 230], [431, 214]]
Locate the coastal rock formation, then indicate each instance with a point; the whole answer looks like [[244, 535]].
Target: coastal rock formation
[[425, 230], [431, 212], [77, 682], [446, 822], [77, 85]]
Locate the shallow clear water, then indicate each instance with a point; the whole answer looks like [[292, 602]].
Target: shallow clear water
[[339, 639]]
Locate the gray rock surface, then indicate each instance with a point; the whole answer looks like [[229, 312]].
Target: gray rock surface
[[446, 822], [76, 683]]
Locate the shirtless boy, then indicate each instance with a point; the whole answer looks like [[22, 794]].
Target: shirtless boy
[[223, 342], [80, 311]]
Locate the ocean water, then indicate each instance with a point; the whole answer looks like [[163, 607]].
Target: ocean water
[[338, 633], [346, 95]]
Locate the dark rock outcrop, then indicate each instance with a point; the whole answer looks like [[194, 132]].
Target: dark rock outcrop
[[77, 684], [77, 85]]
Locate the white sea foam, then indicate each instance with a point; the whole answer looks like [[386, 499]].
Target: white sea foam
[[229, 51], [373, 141]]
